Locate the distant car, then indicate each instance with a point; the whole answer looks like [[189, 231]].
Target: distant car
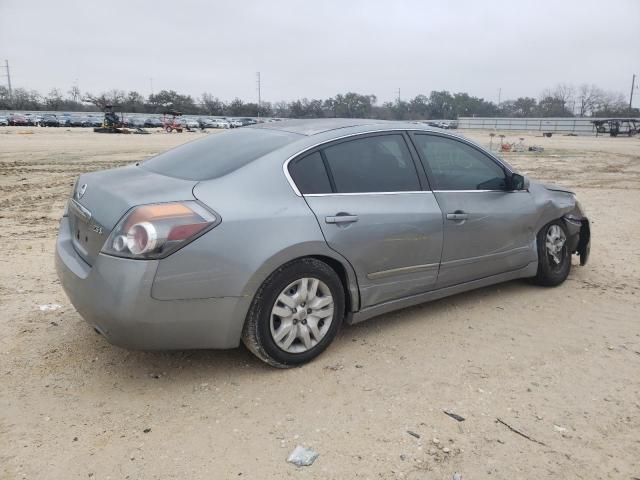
[[95, 121], [152, 122], [36, 119], [49, 121], [18, 120], [221, 123], [77, 121], [237, 123], [4, 121], [205, 123], [136, 122], [190, 123], [65, 120], [87, 121]]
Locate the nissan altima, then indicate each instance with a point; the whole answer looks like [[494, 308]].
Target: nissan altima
[[279, 233]]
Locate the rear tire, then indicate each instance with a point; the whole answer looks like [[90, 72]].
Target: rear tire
[[295, 314], [554, 257]]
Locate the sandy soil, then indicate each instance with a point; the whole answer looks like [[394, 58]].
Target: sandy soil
[[560, 365]]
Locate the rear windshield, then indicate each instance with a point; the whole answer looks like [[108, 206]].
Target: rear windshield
[[218, 154]]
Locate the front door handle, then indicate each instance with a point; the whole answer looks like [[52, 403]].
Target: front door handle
[[341, 219], [457, 216]]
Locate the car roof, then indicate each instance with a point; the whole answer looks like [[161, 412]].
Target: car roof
[[322, 125]]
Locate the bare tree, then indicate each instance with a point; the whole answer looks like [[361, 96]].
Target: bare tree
[[564, 93], [74, 93], [54, 99], [112, 97], [590, 96]]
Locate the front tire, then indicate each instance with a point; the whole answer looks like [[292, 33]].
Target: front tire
[[295, 314], [554, 257]]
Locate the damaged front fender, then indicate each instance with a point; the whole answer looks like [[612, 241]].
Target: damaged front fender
[[557, 202]]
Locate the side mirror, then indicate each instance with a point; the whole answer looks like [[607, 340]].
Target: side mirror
[[517, 182]]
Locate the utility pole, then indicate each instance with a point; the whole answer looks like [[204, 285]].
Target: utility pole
[[6, 65], [633, 85], [398, 96], [259, 92], [499, 95]]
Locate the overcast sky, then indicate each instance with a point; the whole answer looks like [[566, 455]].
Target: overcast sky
[[318, 48]]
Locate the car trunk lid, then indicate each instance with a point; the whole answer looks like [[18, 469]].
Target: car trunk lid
[[102, 198]]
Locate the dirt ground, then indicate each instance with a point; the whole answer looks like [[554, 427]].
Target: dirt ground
[[560, 365]]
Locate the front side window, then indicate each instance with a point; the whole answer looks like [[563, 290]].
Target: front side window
[[372, 164], [455, 165]]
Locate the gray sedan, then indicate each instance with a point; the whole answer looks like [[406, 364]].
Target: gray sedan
[[279, 233]]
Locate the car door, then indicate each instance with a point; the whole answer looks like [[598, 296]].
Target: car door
[[488, 228], [369, 202]]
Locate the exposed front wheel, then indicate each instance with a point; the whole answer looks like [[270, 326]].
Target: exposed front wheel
[[554, 257], [295, 314]]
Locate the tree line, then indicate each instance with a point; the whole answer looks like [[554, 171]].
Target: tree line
[[560, 101]]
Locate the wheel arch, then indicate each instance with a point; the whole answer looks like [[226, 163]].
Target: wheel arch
[[336, 262]]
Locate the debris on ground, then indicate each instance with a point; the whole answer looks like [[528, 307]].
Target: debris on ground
[[334, 368], [457, 476], [302, 457], [455, 416], [514, 430], [558, 428], [413, 434], [536, 148], [49, 307]]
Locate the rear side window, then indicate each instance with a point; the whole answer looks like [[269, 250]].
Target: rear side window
[[372, 164], [457, 166], [310, 175], [218, 154]]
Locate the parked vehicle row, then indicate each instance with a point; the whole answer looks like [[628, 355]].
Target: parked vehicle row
[[131, 121], [50, 120]]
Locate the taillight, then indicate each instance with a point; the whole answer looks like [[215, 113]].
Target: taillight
[[158, 230]]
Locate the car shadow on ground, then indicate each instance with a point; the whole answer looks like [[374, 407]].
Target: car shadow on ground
[[238, 363]]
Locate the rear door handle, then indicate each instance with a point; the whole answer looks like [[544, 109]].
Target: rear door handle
[[457, 216], [341, 219]]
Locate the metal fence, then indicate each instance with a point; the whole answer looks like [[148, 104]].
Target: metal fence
[[580, 126]]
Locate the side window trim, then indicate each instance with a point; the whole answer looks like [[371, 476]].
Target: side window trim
[[423, 178], [327, 167], [427, 167]]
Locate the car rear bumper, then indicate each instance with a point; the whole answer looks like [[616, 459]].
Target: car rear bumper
[[114, 297]]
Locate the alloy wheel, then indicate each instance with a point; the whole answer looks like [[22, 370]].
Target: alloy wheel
[[301, 315], [555, 242]]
